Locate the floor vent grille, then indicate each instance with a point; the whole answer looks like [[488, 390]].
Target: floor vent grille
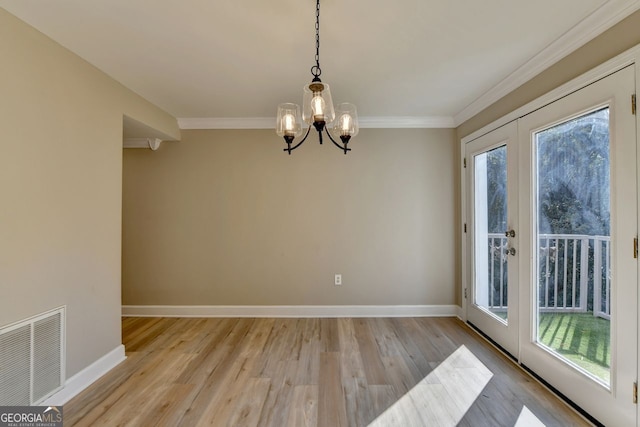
[[32, 359]]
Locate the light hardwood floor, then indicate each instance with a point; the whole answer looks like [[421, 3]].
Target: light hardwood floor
[[312, 372]]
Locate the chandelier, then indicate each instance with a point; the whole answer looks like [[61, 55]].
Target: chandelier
[[317, 110]]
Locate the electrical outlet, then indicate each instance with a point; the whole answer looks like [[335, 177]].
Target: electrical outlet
[[338, 280]]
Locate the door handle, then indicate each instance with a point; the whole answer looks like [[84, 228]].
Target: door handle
[[510, 233], [511, 251]]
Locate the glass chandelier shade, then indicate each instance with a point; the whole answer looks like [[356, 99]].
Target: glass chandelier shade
[[346, 123], [317, 105], [288, 123]]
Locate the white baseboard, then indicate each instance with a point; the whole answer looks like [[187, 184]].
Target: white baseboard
[[290, 310], [86, 377]]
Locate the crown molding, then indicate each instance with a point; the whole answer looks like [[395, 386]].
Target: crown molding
[[226, 123], [152, 143], [606, 16], [629, 57], [427, 122], [407, 122]]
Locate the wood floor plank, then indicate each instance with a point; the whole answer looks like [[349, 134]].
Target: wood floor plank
[[138, 336], [385, 337], [237, 385], [303, 409], [436, 337], [209, 352], [350, 358], [329, 335], [359, 406], [407, 334], [331, 402], [311, 372], [156, 337], [382, 397], [169, 407], [277, 346], [275, 410], [249, 407], [493, 408], [434, 405], [188, 335], [399, 375], [132, 324], [216, 383], [295, 342], [373, 368], [308, 366], [257, 339], [142, 387], [104, 393], [400, 412]]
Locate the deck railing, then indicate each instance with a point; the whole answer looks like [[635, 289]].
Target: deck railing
[[573, 276]]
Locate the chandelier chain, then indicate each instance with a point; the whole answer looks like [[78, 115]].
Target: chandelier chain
[[315, 70]]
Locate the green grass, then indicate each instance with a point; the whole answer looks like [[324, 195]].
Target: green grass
[[581, 338], [500, 313]]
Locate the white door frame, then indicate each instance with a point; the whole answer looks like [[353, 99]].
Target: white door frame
[[629, 57]]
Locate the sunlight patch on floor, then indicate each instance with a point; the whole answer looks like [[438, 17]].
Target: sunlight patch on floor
[[442, 397], [527, 419], [445, 395]]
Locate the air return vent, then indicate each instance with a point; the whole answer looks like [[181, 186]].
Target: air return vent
[[32, 359]]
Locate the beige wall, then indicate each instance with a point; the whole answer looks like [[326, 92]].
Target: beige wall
[[60, 183], [228, 218]]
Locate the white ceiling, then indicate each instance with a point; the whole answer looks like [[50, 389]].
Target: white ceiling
[[435, 61]]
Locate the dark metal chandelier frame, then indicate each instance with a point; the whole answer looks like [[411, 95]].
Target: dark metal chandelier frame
[[318, 110]]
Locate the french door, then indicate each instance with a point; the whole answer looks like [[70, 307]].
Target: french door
[[569, 221], [578, 167], [492, 176]]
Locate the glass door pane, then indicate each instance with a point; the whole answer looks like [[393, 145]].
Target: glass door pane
[[491, 251], [573, 241]]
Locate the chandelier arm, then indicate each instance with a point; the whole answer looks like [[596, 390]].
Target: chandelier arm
[[290, 148], [343, 148]]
